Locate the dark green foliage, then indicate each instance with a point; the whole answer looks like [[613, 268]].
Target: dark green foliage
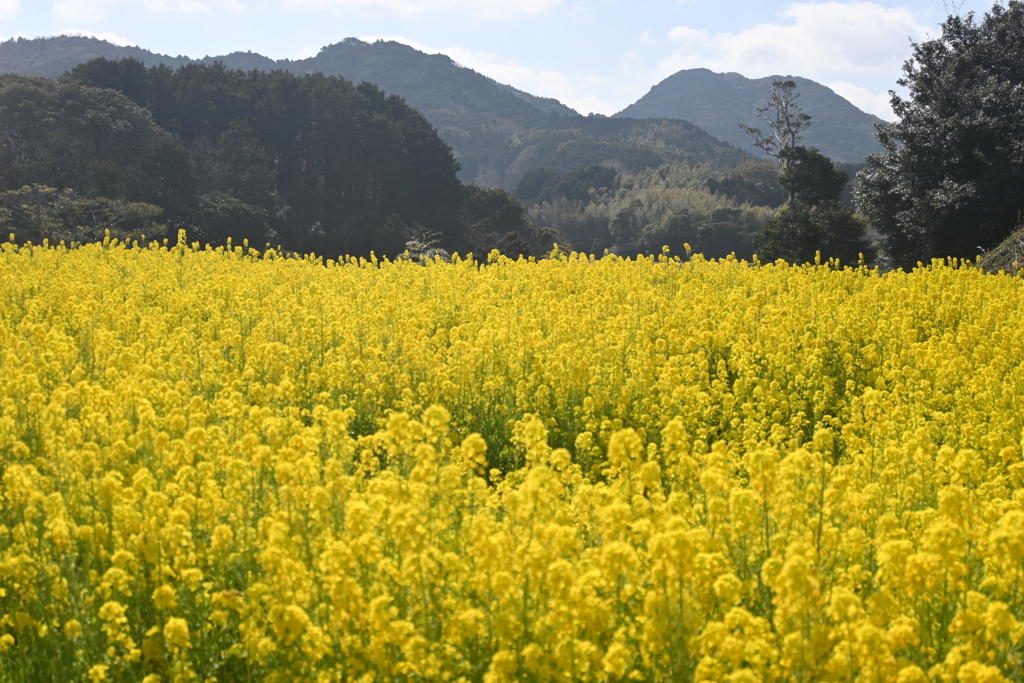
[[810, 177], [814, 220], [491, 212], [948, 181], [242, 166], [535, 183], [544, 185], [495, 219], [66, 135], [626, 225], [798, 235], [723, 233], [221, 216], [752, 182], [513, 244], [35, 213], [850, 191], [312, 163], [675, 231]]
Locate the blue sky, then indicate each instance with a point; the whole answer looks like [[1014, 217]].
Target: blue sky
[[594, 55]]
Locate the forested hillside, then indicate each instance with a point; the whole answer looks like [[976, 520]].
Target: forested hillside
[[497, 133], [717, 102], [313, 163], [672, 206]]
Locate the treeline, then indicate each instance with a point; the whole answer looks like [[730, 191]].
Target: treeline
[[674, 205], [946, 184], [317, 164], [948, 181], [311, 163]]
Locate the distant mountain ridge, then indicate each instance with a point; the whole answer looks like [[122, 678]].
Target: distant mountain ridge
[[51, 57], [717, 102], [498, 133]]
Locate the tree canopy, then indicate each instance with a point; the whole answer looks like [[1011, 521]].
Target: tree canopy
[[810, 177], [814, 220], [948, 181], [40, 213], [67, 135], [313, 163]]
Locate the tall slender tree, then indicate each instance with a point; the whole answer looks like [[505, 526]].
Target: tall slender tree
[[785, 118], [813, 220]]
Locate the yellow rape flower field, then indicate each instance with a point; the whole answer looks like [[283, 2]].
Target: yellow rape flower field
[[219, 465]]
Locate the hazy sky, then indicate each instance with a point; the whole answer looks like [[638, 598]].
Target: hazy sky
[[594, 55]]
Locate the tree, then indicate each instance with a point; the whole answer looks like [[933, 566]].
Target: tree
[[786, 121], [753, 181], [315, 161], [948, 180], [66, 135], [626, 226], [36, 212], [674, 231], [722, 233], [798, 236], [493, 219], [810, 177], [220, 216], [814, 219]]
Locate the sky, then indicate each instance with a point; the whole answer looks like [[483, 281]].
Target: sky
[[594, 55]]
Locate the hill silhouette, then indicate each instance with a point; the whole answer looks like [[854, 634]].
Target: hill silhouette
[[498, 133], [717, 102]]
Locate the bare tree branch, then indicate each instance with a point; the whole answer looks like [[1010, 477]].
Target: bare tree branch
[[786, 122]]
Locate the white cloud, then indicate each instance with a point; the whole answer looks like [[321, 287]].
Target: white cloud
[[413, 8], [831, 40], [92, 11], [100, 35], [176, 6], [9, 9], [82, 11], [193, 6], [876, 103]]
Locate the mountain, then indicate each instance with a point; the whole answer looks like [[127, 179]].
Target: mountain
[[498, 133], [717, 102], [51, 57]]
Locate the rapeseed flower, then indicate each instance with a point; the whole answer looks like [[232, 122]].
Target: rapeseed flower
[[218, 465]]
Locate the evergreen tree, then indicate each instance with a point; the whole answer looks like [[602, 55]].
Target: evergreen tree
[[948, 180], [814, 220], [313, 163]]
